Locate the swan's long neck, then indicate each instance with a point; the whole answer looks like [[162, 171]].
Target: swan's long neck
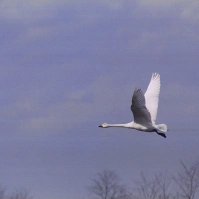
[[127, 125]]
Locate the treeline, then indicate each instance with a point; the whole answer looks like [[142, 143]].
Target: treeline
[[182, 185], [18, 194], [107, 184]]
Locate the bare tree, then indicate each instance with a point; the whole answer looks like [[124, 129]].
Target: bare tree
[[163, 182], [188, 180], [146, 189], [158, 187], [106, 185], [2, 193], [20, 194], [165, 186]]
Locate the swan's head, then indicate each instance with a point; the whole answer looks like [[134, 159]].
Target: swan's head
[[104, 125]]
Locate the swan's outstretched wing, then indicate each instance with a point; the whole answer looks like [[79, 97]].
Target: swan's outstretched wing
[[152, 96], [140, 112]]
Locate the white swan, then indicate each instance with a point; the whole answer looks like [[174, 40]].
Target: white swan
[[144, 108]]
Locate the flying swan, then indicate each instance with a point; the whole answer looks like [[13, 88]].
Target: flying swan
[[144, 108]]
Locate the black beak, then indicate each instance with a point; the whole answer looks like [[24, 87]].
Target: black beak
[[100, 126]]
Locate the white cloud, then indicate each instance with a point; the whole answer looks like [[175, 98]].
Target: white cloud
[[185, 10], [26, 9], [78, 107], [182, 98], [77, 95]]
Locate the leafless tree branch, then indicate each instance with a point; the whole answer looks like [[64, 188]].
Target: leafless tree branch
[[187, 180], [106, 185]]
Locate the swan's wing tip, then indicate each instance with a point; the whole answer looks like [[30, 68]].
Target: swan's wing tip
[[138, 92], [155, 75], [136, 89]]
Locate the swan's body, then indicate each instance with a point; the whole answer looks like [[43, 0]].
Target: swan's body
[[144, 108]]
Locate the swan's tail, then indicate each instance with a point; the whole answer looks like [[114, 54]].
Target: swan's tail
[[162, 127]]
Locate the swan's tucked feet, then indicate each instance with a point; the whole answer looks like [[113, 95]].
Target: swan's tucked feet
[[162, 134]]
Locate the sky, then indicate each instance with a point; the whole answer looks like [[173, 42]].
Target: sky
[[68, 66]]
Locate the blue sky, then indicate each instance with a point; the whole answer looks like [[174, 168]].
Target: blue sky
[[68, 66]]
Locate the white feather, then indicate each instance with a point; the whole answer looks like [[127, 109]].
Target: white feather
[[152, 96]]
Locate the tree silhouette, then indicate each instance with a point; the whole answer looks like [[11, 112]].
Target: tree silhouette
[[2, 193], [157, 187], [183, 185], [187, 180], [106, 185], [20, 194]]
